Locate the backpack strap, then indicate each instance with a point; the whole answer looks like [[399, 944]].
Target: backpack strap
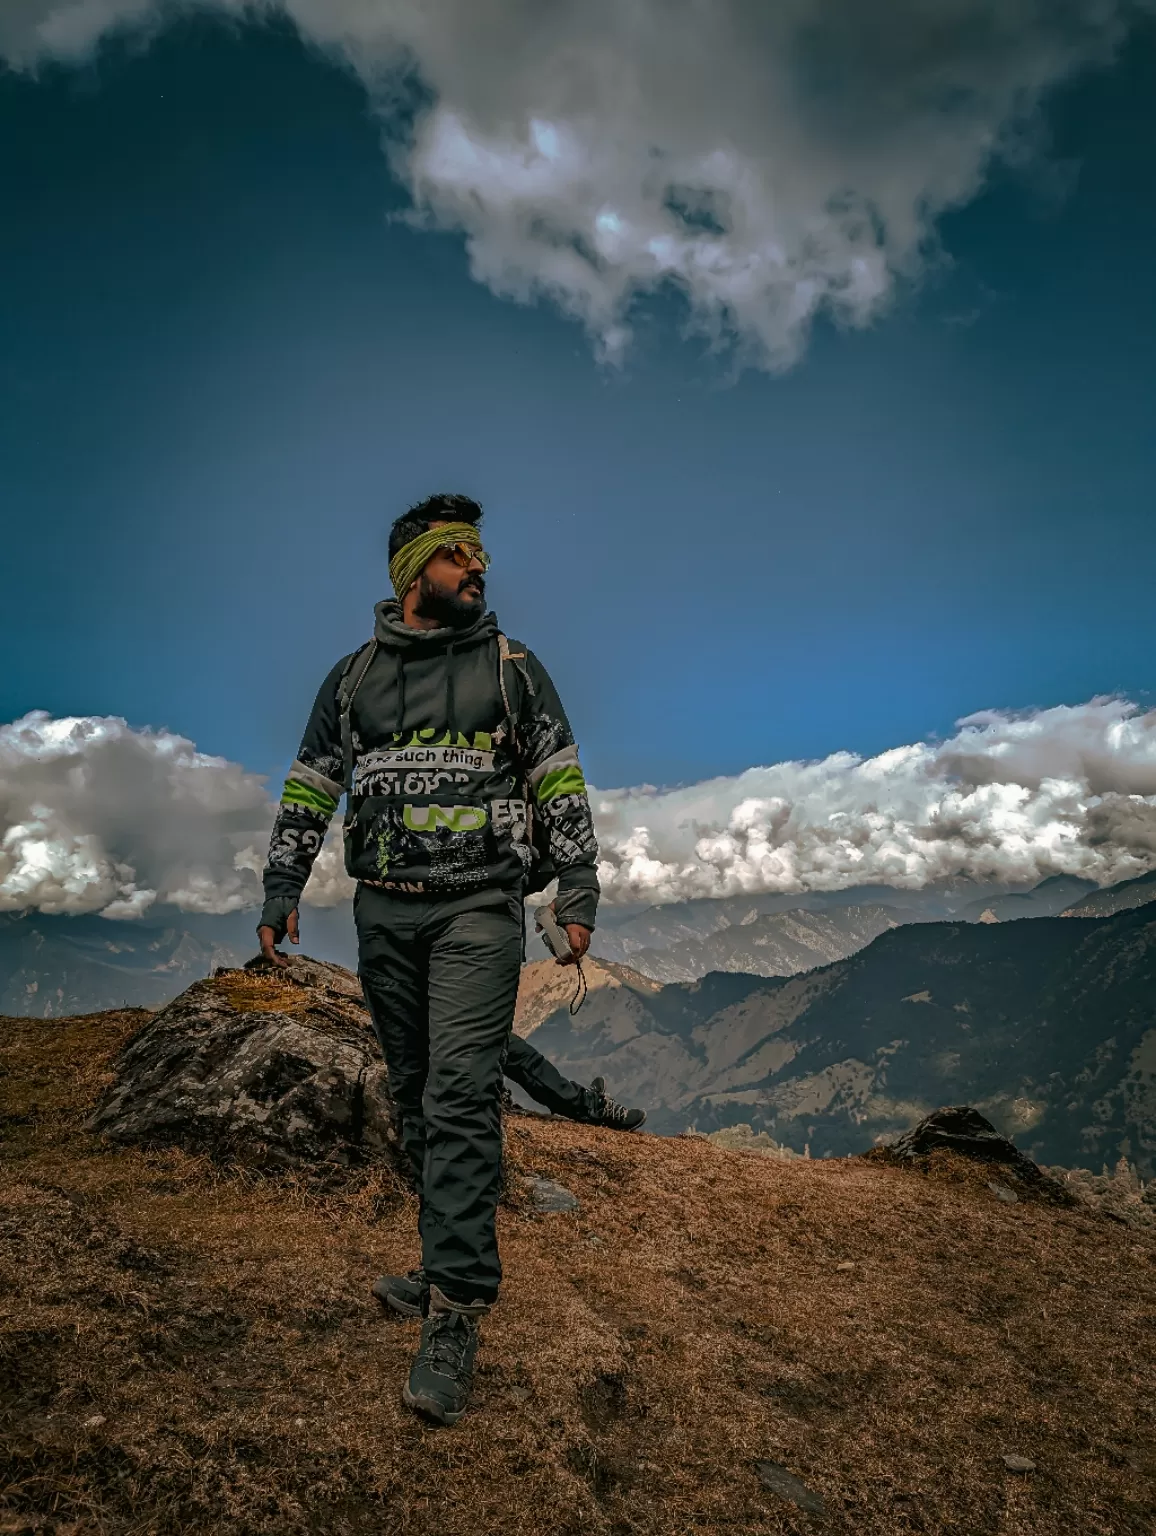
[[512, 668], [513, 663], [348, 684], [505, 657]]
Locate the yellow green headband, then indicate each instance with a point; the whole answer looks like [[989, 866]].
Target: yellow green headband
[[412, 558]]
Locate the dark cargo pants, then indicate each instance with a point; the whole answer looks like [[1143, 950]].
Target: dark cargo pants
[[441, 981], [542, 1080]]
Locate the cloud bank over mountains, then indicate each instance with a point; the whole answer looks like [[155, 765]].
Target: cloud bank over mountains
[[1011, 798], [771, 162], [96, 816]]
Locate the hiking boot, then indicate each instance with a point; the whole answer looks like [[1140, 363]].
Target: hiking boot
[[443, 1371], [402, 1293], [603, 1110]]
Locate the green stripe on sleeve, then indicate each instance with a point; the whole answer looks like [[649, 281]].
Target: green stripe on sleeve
[[310, 799], [569, 780]]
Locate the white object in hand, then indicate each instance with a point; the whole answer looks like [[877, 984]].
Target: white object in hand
[[553, 936]]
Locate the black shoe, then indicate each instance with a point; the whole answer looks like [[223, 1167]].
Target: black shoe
[[402, 1293], [443, 1372], [603, 1110]]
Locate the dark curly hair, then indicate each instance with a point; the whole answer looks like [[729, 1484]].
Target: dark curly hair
[[434, 509]]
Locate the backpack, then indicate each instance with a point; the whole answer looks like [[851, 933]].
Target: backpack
[[511, 665]]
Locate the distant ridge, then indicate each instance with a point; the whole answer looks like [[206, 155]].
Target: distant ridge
[[636, 936], [1048, 899], [53, 966], [781, 944], [1115, 898]]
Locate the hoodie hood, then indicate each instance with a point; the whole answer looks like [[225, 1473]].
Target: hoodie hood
[[391, 630]]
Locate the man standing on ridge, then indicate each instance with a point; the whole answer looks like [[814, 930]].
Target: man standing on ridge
[[459, 768]]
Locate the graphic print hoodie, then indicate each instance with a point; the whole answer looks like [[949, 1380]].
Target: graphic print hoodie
[[440, 784]]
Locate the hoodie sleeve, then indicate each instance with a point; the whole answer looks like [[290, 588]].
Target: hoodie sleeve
[[308, 801], [558, 788]]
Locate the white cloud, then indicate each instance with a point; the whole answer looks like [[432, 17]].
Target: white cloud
[[329, 885], [772, 161], [1009, 797], [98, 817]]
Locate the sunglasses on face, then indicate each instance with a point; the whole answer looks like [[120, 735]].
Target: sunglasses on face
[[464, 555]]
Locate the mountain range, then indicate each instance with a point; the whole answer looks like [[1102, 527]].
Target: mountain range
[[625, 931], [780, 935], [1047, 1026], [56, 965], [53, 966], [779, 944]]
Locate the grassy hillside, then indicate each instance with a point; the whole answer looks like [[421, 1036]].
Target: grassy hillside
[[192, 1350]]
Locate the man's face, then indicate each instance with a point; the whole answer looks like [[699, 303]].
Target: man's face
[[450, 593]]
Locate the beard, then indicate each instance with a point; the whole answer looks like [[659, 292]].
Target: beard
[[452, 607]]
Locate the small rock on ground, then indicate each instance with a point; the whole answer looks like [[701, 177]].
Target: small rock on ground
[[1019, 1464], [1002, 1192], [788, 1486], [547, 1196]]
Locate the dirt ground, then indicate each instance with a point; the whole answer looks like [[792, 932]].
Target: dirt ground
[[187, 1349]]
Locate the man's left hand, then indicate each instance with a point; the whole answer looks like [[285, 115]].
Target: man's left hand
[[579, 942]]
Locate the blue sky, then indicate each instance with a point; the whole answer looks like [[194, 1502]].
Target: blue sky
[[224, 368]]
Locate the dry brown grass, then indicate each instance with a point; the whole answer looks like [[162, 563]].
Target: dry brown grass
[[191, 1350], [259, 992]]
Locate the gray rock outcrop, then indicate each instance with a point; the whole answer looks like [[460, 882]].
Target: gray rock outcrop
[[266, 1065], [960, 1128]]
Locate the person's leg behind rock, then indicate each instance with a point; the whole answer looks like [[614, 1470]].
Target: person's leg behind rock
[[541, 1079]]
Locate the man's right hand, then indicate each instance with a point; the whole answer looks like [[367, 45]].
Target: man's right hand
[[268, 940]]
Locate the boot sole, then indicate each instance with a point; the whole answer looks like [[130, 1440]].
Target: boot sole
[[435, 1412], [622, 1129], [394, 1303]]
